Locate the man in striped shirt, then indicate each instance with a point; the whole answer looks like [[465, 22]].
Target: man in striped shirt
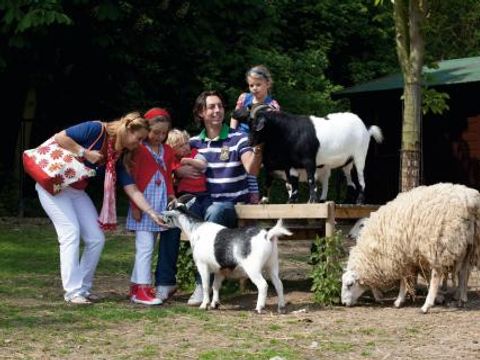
[[229, 159]]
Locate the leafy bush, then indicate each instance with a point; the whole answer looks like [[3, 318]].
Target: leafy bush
[[185, 267], [327, 257]]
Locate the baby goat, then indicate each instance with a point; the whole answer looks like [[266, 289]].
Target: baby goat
[[231, 253]]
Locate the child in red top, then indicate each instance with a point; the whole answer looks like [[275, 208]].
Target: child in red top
[[151, 172], [186, 156]]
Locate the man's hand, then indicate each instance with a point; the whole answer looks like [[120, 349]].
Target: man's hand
[[188, 171]]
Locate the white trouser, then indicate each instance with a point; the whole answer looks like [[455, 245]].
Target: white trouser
[[74, 215], [144, 246]]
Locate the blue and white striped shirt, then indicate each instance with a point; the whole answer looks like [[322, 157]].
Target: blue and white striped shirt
[[226, 175]]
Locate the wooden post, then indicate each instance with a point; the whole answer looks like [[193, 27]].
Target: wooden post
[[330, 220]]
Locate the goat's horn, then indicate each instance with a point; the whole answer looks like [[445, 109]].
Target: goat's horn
[[253, 113]]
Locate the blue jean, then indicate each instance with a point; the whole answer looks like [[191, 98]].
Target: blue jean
[[200, 204], [169, 244], [220, 213]]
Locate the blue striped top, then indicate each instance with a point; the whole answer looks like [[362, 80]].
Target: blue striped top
[[226, 176]]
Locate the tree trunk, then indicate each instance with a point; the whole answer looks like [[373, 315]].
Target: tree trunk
[[410, 156], [409, 16]]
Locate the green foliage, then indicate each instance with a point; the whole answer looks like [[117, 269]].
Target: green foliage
[[185, 267], [452, 29], [326, 258], [98, 59], [434, 101], [21, 16]]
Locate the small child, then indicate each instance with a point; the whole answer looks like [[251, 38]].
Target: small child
[[151, 172], [260, 83], [185, 155]]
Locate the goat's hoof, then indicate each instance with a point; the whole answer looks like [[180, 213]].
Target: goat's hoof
[[282, 310], [203, 307], [214, 305], [440, 299], [461, 304], [397, 304], [260, 311], [360, 199], [424, 309]]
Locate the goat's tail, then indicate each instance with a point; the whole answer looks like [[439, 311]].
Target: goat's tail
[[376, 132], [278, 230]]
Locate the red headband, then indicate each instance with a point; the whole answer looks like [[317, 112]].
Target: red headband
[[154, 112]]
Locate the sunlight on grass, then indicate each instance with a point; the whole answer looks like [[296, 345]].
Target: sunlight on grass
[[234, 354], [39, 324]]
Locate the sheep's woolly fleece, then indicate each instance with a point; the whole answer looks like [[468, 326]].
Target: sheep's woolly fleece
[[425, 228]]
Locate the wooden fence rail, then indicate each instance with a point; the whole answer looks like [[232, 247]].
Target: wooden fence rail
[[304, 220]]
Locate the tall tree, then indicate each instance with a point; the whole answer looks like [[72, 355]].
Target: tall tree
[[409, 17]]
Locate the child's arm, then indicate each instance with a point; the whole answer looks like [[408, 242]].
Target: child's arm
[[198, 164], [139, 200], [234, 122]]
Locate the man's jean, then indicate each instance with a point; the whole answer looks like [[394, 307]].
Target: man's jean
[[168, 247], [221, 213]]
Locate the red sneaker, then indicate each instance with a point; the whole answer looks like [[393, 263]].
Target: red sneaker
[[133, 291], [145, 295]]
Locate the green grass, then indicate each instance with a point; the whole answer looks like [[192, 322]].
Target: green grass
[[36, 323]]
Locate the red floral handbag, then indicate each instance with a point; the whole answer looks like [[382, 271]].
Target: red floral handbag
[[54, 167]]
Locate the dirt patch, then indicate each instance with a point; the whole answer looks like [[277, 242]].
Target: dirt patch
[[45, 328], [369, 330]]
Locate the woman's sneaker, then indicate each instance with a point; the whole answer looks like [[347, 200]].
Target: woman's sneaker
[[164, 292], [197, 296], [78, 300], [146, 296], [91, 296]]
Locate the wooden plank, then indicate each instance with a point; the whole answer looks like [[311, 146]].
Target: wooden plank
[[282, 211], [298, 234], [354, 211], [304, 220], [330, 221]]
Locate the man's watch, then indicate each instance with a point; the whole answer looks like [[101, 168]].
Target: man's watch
[[81, 153], [257, 149]]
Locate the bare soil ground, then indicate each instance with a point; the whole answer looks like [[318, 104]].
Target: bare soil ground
[[374, 331], [306, 331]]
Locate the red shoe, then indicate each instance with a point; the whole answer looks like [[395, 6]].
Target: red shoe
[[145, 295], [133, 291]]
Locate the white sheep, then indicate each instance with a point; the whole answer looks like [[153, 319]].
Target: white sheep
[[429, 230], [231, 253], [355, 230]]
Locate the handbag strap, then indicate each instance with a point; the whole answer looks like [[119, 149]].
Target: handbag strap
[[98, 138]]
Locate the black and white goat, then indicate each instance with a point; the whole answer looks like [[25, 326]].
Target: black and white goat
[[293, 143], [231, 253]]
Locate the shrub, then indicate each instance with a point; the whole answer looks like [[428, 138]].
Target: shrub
[[185, 267], [326, 258]]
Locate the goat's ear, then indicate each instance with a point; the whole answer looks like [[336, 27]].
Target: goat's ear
[[185, 198], [182, 208], [259, 123], [241, 114], [172, 204]]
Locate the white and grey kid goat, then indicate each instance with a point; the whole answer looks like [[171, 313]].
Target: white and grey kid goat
[[231, 253]]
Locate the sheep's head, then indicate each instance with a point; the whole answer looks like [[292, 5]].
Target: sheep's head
[[352, 288], [354, 232]]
